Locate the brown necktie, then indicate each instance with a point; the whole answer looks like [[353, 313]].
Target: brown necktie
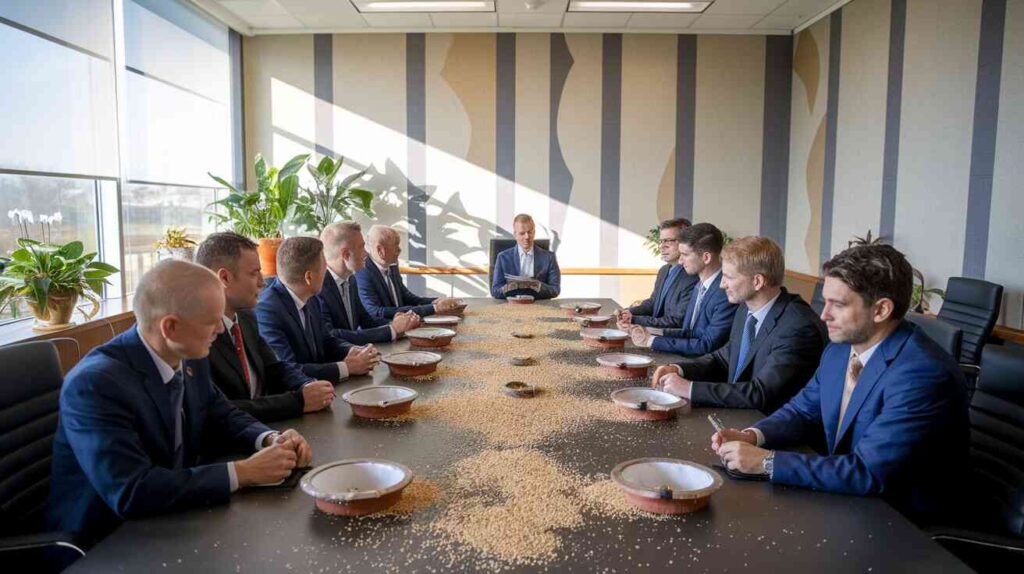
[[852, 374], [236, 334]]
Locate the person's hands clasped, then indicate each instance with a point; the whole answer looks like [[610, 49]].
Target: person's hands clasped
[[445, 304], [732, 435], [623, 319], [292, 439], [268, 465], [663, 371], [362, 360], [317, 395], [405, 321], [639, 335]]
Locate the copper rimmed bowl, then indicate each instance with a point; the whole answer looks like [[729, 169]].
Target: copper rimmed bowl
[[587, 321], [625, 365], [356, 487], [582, 308], [645, 403], [430, 337], [380, 401], [520, 300], [412, 363], [443, 321], [666, 485], [604, 338]]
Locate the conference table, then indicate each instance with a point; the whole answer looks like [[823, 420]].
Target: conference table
[[748, 525]]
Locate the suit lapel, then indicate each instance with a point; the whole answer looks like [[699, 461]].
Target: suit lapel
[[223, 346], [734, 344], [873, 371], [396, 281], [154, 385], [250, 339], [334, 301], [766, 329]]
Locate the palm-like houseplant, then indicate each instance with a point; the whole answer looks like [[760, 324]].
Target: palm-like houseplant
[[260, 214], [920, 296], [329, 199]]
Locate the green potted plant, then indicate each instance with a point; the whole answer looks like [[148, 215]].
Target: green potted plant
[[51, 279], [329, 199], [260, 214], [175, 244]]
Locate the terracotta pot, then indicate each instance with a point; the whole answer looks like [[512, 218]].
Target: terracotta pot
[[577, 309], [588, 321], [646, 404], [267, 250], [665, 485], [520, 300], [380, 401], [625, 366], [430, 337], [356, 487], [411, 363], [60, 305], [445, 321], [604, 338]]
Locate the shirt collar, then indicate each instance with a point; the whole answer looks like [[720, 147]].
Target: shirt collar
[[867, 354], [523, 253], [299, 303], [339, 278], [707, 284], [166, 371], [761, 313], [384, 269]]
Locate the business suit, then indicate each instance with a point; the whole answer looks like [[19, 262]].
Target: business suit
[[366, 329], [316, 354], [280, 383], [780, 359], [377, 299], [904, 435], [113, 453], [711, 328], [672, 309], [545, 270]]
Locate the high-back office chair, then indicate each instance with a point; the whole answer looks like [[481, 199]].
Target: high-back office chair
[[945, 334], [818, 299], [973, 306], [991, 539], [30, 384], [499, 245]]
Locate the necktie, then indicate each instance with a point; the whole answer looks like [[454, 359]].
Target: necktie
[[308, 329], [659, 306], [391, 287], [526, 264], [696, 305], [749, 331], [346, 301], [236, 336], [176, 395], [853, 371]]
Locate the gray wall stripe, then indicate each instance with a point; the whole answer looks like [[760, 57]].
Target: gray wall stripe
[[416, 133], [323, 91], [893, 107], [831, 122], [611, 144], [560, 179], [237, 109], [505, 146], [686, 121], [983, 142], [778, 84]]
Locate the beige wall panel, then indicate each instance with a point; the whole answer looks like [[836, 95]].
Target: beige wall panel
[[860, 137], [533, 133], [940, 71], [1005, 238]]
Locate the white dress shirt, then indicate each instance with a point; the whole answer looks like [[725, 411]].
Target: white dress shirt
[[299, 305], [385, 270], [761, 313], [254, 380], [525, 261]]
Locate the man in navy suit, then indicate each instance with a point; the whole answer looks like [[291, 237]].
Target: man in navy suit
[[294, 324], [774, 346], [345, 252], [526, 259], [138, 411], [887, 401], [242, 364], [709, 314], [666, 307], [381, 289]]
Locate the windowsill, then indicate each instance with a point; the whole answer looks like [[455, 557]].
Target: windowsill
[[20, 331]]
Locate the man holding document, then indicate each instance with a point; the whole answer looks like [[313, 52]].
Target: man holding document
[[526, 269]]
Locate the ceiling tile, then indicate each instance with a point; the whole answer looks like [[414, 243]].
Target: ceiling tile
[[805, 8], [419, 20], [727, 7], [779, 23], [662, 21], [595, 20], [732, 22], [545, 7], [324, 13], [450, 20], [530, 20], [254, 7]]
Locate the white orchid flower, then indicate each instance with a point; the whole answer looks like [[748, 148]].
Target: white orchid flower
[[14, 213], [27, 216], [44, 218], [57, 218]]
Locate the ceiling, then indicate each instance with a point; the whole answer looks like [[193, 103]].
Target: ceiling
[[253, 17]]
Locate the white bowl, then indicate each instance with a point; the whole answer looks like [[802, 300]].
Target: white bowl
[[356, 486], [666, 485]]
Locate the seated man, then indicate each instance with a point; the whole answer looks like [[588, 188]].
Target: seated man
[[536, 267], [889, 403], [709, 314], [339, 298], [294, 325], [242, 365], [667, 304], [139, 410], [381, 289], [774, 347]]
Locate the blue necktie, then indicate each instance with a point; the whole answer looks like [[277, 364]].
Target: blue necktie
[[659, 306], [176, 394], [749, 330], [696, 305], [308, 330]]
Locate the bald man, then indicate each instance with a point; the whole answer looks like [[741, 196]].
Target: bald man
[[137, 413]]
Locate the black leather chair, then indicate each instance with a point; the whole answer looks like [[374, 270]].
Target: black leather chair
[[30, 382], [499, 245], [945, 334], [818, 299], [991, 537], [973, 306]]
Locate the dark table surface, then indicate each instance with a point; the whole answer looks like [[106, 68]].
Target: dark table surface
[[748, 526]]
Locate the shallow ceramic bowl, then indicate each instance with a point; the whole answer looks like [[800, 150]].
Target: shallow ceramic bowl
[[582, 308], [520, 300], [430, 337], [356, 487], [645, 403], [625, 365], [604, 338], [443, 321], [412, 363], [587, 321], [380, 401], [520, 390], [666, 485]]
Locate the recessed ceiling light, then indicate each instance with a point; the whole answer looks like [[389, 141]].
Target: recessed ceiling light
[[638, 6], [426, 6]]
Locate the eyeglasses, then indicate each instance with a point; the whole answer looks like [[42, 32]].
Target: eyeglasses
[[667, 241]]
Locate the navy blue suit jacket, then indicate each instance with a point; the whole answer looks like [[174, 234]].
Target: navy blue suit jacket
[[366, 330], [711, 331], [905, 434], [113, 454], [281, 327], [677, 299], [376, 296], [545, 270]]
